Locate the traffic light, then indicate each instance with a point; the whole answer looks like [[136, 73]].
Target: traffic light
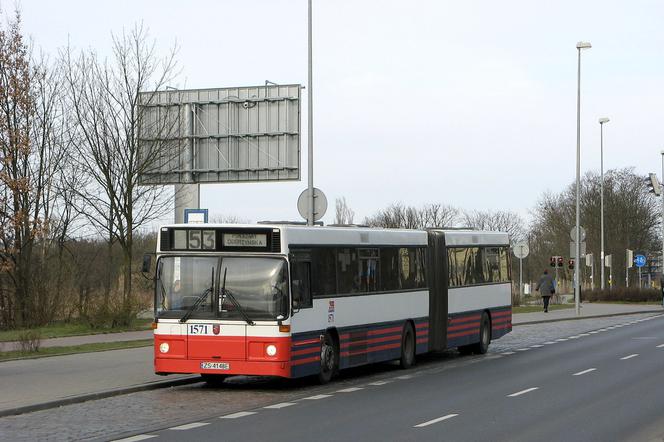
[[571, 264], [561, 261], [654, 186], [552, 261]]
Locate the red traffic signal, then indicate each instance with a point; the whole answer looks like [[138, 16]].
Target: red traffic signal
[[571, 264], [552, 261], [561, 261]]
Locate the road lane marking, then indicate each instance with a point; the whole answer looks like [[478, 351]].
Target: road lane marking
[[404, 377], [435, 421], [593, 332], [238, 415], [629, 357], [190, 426], [378, 383], [280, 405], [574, 337], [660, 346], [584, 334], [519, 393], [350, 390], [549, 343], [561, 340], [317, 397], [584, 372], [536, 346], [522, 349], [507, 353], [136, 438]]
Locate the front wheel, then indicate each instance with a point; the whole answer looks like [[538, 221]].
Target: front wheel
[[329, 359]]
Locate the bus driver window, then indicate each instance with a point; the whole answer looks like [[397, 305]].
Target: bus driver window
[[301, 284]]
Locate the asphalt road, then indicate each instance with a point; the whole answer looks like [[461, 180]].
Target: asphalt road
[[606, 384]]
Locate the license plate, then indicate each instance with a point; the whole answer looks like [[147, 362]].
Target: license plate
[[215, 366]]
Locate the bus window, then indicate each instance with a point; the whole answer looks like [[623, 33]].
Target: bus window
[[301, 284]]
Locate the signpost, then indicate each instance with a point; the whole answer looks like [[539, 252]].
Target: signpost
[[639, 261], [521, 250]]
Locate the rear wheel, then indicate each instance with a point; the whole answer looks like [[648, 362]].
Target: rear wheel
[[213, 380], [329, 359], [485, 336], [407, 346]]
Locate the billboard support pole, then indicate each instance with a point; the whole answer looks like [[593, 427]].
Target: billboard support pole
[[187, 195], [310, 130]]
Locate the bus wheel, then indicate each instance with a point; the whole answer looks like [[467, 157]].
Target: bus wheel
[[407, 346], [213, 380], [485, 336], [329, 360]]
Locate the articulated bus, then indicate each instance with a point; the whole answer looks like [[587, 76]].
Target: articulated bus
[[293, 301]]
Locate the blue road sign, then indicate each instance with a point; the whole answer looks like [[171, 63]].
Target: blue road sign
[[640, 260]]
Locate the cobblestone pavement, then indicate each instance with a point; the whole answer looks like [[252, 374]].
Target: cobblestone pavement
[[142, 412]]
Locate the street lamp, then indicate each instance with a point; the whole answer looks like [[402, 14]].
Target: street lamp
[[661, 279], [601, 192], [577, 292]]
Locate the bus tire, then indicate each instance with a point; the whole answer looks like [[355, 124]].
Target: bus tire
[[407, 346], [213, 380], [485, 335], [329, 359]]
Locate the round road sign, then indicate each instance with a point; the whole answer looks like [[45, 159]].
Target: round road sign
[[521, 250], [320, 204], [572, 234], [640, 260]]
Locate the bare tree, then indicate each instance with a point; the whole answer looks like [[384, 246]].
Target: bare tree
[[499, 220], [104, 98], [398, 215], [343, 213]]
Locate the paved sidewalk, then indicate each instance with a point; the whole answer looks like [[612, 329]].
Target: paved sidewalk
[[86, 339], [588, 310]]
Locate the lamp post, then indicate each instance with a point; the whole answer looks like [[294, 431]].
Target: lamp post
[[661, 280], [577, 292], [601, 193]]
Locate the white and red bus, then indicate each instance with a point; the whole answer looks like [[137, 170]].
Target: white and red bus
[[293, 301]]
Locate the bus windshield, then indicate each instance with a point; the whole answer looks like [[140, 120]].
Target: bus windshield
[[258, 285]]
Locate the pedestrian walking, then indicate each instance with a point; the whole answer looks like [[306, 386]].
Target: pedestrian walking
[[546, 287]]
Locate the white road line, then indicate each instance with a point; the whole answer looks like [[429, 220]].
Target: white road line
[[522, 349], [660, 346], [350, 390], [519, 393], [561, 340], [378, 383], [574, 337], [434, 421], [280, 405], [584, 334], [536, 346], [629, 357], [136, 438], [404, 377], [549, 343], [238, 415], [317, 397], [190, 426], [584, 372], [594, 332], [507, 353]]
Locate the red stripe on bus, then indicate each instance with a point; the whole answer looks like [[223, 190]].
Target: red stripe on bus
[[381, 331], [465, 319], [464, 326], [306, 351], [306, 360], [422, 325], [465, 333], [422, 333], [423, 340], [371, 350], [502, 320], [307, 342], [501, 314], [370, 341]]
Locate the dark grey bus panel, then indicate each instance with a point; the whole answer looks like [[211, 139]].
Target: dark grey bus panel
[[437, 275]]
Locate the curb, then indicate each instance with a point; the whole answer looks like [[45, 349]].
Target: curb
[[576, 318], [99, 395]]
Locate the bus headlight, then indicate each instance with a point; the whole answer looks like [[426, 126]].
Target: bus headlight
[[271, 350], [164, 347]]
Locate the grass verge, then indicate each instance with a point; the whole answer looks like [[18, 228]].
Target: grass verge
[[74, 349], [60, 330], [538, 308]]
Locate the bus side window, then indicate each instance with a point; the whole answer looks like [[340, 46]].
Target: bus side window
[[301, 284]]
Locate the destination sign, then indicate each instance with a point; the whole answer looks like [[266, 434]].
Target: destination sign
[[244, 240]]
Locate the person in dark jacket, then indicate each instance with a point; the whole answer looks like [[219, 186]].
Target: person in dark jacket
[[546, 287]]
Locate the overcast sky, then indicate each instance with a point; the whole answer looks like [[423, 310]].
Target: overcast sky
[[469, 103]]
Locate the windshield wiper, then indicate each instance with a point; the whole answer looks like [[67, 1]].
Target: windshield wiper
[[227, 293], [200, 299]]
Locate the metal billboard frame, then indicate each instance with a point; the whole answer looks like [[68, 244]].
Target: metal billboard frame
[[236, 134]]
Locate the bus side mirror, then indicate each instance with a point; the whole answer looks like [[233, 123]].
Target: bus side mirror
[[147, 261]]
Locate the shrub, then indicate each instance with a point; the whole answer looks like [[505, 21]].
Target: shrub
[[29, 341], [622, 294]]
